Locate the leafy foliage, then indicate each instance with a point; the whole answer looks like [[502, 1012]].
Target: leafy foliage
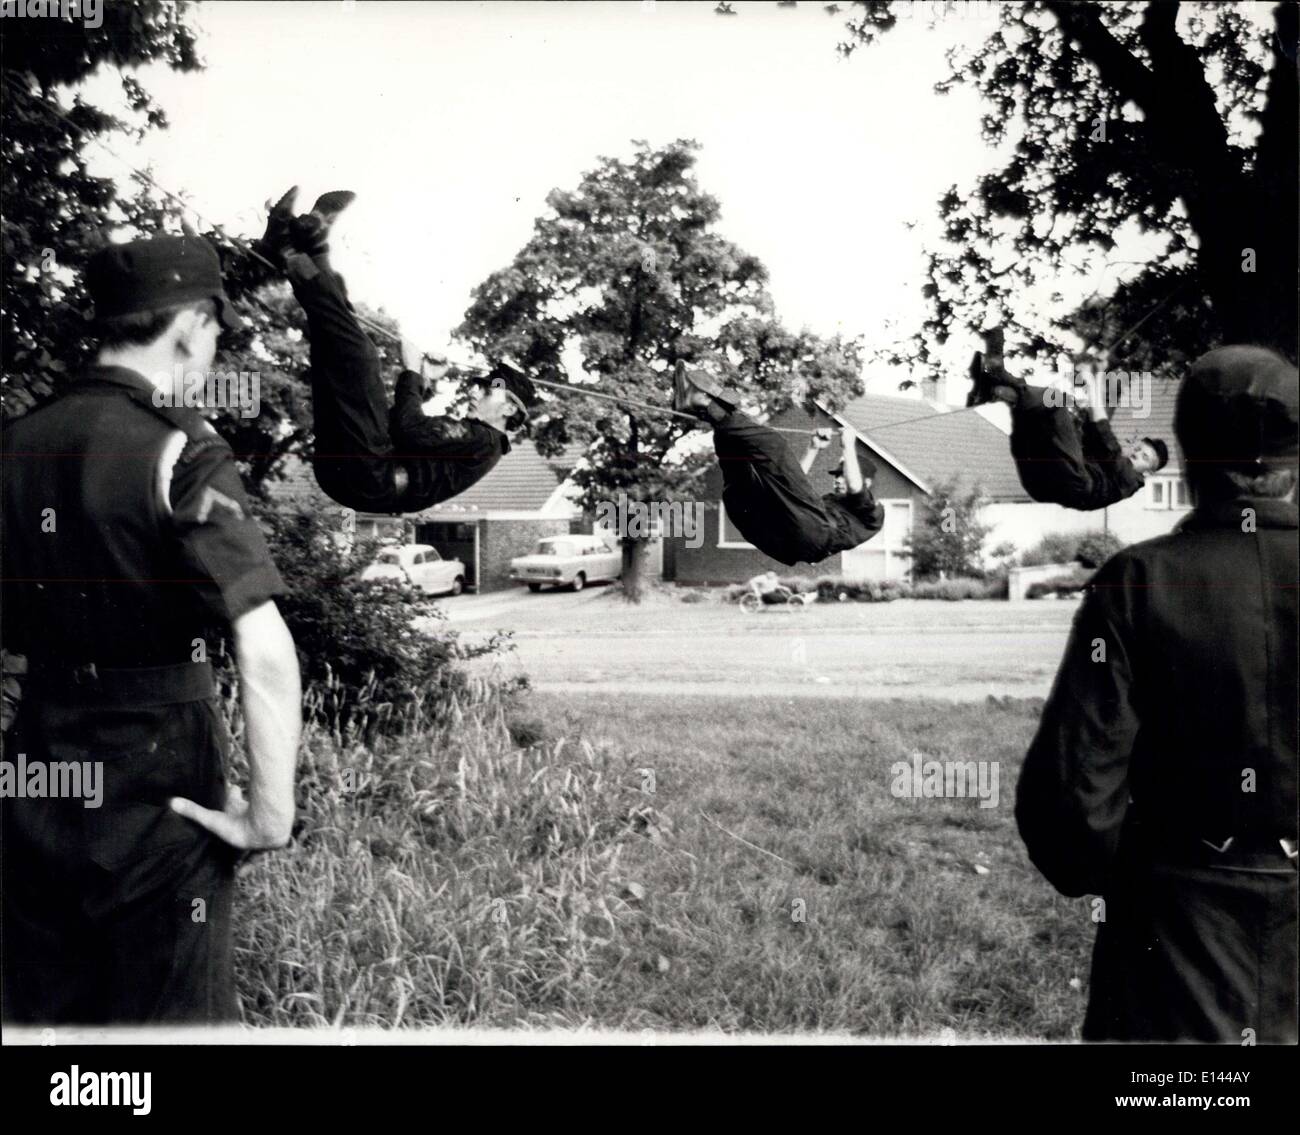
[[56, 213], [1179, 120], [948, 537], [1091, 549], [1095, 548], [1053, 548], [364, 659], [627, 272]]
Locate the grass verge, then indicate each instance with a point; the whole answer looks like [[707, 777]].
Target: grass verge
[[665, 863]]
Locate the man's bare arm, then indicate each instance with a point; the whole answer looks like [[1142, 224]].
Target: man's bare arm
[[820, 440], [272, 700], [853, 479]]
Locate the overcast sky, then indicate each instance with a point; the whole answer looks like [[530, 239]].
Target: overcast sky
[[452, 121]]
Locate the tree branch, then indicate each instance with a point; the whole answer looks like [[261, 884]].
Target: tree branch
[[1119, 69], [1276, 161], [1187, 112]]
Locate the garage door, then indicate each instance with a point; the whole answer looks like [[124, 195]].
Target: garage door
[[454, 542]]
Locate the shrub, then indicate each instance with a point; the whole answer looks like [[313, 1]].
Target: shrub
[[953, 589], [1053, 548], [1075, 581], [836, 589], [948, 535], [1095, 548], [364, 659], [997, 578], [1092, 549]]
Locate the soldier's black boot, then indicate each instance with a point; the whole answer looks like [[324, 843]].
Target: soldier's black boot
[[276, 243], [990, 381], [310, 232], [696, 393]]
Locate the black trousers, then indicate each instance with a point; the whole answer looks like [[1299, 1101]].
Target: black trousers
[[1198, 951], [1063, 461], [1048, 451], [119, 914], [768, 497], [360, 441]]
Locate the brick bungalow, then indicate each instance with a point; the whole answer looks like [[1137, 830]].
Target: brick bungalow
[[522, 499], [525, 497]]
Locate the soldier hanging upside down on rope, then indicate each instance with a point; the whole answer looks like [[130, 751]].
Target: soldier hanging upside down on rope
[[1065, 455], [768, 494], [369, 456]]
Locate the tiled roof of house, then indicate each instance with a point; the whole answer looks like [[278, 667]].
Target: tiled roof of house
[[297, 483], [564, 461], [937, 444], [522, 481]]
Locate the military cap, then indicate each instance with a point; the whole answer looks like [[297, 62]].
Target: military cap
[[1237, 407], [507, 374], [155, 274]]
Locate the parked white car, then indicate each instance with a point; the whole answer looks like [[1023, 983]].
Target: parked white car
[[567, 561], [419, 565]]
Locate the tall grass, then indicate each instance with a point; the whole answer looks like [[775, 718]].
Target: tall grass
[[441, 876], [500, 871]]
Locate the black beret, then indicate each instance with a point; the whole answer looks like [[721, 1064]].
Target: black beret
[[157, 273], [1237, 408]]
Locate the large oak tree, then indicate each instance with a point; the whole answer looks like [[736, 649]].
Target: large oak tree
[[628, 274]]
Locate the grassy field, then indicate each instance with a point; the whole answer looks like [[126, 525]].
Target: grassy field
[[664, 863], [593, 642]]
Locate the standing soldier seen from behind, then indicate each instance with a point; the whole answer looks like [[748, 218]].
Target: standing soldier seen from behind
[[129, 551], [1162, 779]]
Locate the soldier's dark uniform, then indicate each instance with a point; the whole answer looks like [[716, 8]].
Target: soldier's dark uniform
[[360, 442], [1065, 461], [772, 502], [1163, 773], [109, 596]]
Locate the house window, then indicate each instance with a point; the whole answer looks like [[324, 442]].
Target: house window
[[728, 534], [1169, 493], [886, 555]]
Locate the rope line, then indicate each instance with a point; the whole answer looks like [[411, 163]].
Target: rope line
[[565, 388], [242, 246]]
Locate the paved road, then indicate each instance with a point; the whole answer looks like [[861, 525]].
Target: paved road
[[594, 642]]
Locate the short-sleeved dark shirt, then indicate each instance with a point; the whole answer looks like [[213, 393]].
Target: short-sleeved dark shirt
[[856, 516], [1116, 478], [99, 566]]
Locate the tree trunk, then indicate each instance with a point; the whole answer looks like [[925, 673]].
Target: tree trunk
[[1232, 212], [634, 559]]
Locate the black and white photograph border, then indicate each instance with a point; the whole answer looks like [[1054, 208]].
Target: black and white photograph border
[[650, 524]]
